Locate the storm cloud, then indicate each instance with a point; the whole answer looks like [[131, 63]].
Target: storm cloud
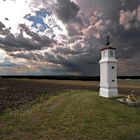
[[69, 39], [11, 42], [67, 10]]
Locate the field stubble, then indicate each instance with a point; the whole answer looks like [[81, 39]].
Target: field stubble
[[16, 92]]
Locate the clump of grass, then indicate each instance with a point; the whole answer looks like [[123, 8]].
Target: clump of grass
[[72, 115]]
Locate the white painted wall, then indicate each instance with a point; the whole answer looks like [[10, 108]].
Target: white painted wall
[[108, 73]]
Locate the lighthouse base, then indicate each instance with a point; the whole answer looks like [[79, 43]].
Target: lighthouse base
[[108, 92]]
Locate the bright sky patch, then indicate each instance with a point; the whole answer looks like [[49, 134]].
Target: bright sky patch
[[38, 20], [12, 13]]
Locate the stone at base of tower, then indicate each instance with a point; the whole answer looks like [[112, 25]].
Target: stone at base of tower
[[105, 92]]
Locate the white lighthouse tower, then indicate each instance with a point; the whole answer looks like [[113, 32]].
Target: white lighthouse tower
[[108, 71]]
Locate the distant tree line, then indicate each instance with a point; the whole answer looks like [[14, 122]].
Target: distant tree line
[[65, 77]]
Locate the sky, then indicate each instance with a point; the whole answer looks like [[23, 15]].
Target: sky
[[64, 37]]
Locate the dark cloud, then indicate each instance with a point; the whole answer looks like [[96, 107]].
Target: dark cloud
[[7, 19], [67, 11], [88, 23], [130, 19], [12, 43], [82, 60], [28, 55], [106, 19], [129, 66], [2, 25], [42, 40]]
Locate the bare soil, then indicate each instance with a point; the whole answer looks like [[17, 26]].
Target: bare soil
[[16, 92]]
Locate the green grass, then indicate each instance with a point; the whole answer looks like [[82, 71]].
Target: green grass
[[74, 115]]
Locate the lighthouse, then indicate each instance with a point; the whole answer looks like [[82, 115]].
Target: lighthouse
[[108, 71]]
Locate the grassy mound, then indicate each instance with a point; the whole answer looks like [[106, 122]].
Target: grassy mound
[[75, 115]]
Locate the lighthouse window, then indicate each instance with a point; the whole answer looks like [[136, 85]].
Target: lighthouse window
[[111, 53], [104, 54], [112, 67], [113, 80]]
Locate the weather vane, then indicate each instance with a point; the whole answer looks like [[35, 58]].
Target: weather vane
[[108, 40], [123, 2]]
